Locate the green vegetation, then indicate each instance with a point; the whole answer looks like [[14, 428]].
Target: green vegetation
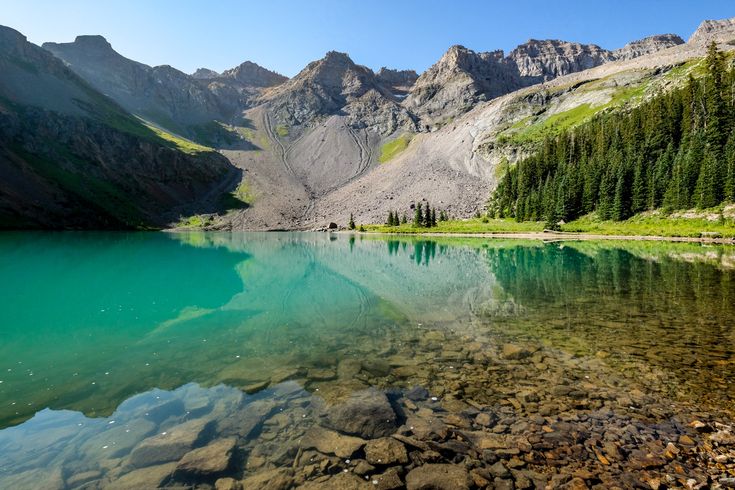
[[178, 142], [642, 225], [653, 225], [674, 151], [475, 225], [282, 130], [392, 148], [240, 198], [195, 221]]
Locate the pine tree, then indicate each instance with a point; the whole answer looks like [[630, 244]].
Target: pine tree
[[418, 219], [427, 216], [351, 224], [403, 219], [390, 218], [433, 217], [729, 187]]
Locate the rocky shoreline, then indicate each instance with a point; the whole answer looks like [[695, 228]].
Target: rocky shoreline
[[455, 415]]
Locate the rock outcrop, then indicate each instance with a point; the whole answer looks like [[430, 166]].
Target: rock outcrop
[[204, 74], [336, 85], [253, 75], [714, 30], [539, 61], [399, 81], [459, 80], [647, 45]]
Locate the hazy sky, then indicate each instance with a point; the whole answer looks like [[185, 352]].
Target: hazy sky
[[285, 35]]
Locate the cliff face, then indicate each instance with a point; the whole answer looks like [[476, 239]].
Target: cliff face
[[72, 158], [714, 30], [336, 85], [460, 79], [540, 61], [647, 45]]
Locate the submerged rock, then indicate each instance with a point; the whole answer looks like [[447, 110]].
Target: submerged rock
[[330, 442], [277, 479], [385, 451], [150, 477], [438, 477], [211, 460], [366, 414], [167, 446]]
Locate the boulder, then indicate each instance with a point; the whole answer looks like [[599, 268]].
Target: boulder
[[438, 477], [385, 451], [276, 479], [167, 446], [211, 460], [329, 442], [366, 414]]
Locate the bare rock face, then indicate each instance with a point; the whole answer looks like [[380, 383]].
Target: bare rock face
[[332, 85], [647, 45], [204, 74], [251, 74], [460, 79], [714, 30], [539, 61], [399, 81]]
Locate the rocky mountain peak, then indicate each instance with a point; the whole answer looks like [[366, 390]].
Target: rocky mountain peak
[[204, 74], [541, 60], [714, 30], [254, 75], [10, 37], [647, 45], [398, 81], [93, 42]]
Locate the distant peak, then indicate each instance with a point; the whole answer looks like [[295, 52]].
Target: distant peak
[[95, 41], [204, 73], [337, 56], [10, 37], [710, 30]]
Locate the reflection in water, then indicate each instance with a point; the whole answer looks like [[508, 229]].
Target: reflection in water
[[105, 335]]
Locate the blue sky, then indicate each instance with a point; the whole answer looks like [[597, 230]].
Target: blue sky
[[285, 35]]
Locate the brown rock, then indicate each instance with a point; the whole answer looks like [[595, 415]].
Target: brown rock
[[438, 477], [341, 481], [150, 477], [390, 480], [227, 484], [330, 442], [277, 479], [367, 414], [385, 451], [210, 460], [514, 352], [170, 445]]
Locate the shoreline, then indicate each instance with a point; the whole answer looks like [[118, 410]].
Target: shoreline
[[558, 236]]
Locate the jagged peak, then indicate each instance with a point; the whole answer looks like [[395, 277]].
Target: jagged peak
[[204, 73], [710, 30]]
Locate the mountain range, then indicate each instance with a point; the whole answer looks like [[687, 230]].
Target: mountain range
[[90, 139]]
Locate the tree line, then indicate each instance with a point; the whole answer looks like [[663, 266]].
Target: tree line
[[674, 151], [424, 217]]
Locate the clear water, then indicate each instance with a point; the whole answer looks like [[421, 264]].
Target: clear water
[[112, 338]]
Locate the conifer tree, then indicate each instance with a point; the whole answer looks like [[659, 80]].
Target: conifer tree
[[433, 217], [351, 224], [418, 219], [427, 216], [403, 219]]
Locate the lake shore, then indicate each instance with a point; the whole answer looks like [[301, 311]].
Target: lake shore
[[560, 236]]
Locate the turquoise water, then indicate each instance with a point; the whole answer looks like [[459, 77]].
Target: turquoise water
[[98, 329]]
